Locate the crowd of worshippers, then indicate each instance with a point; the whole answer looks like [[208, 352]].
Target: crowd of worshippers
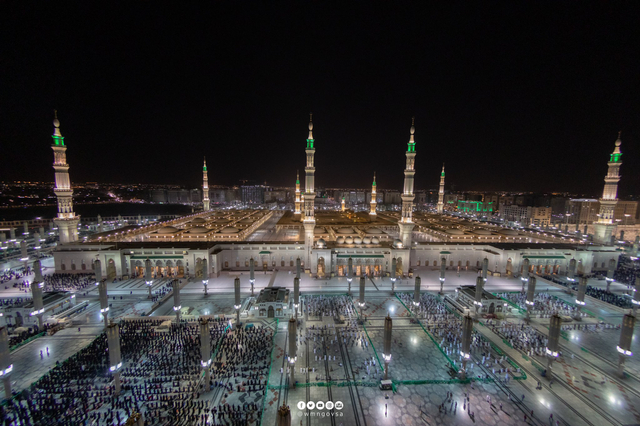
[[14, 301], [160, 376], [627, 271], [68, 282], [598, 293], [446, 327], [21, 334], [241, 366], [13, 274], [544, 304]]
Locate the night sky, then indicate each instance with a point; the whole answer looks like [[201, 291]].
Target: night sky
[[522, 96]]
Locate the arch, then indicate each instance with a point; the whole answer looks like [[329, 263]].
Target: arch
[[509, 267], [320, 269], [73, 266], [84, 267], [271, 312], [63, 266], [111, 270], [198, 271], [492, 308], [159, 263], [399, 267]]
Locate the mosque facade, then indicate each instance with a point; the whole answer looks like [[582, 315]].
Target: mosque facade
[[324, 241]]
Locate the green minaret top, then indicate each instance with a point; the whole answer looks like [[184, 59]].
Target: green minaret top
[[615, 157], [204, 168], [412, 143], [442, 174], [374, 178], [58, 140], [310, 138], [297, 177]]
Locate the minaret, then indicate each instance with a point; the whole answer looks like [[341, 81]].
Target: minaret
[[205, 186], [441, 192], [309, 194], [344, 206], [298, 194], [606, 226], [67, 221], [406, 222], [374, 201]]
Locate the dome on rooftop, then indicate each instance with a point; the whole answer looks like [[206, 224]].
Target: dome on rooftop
[[340, 240], [198, 230], [230, 230], [348, 240], [167, 230]]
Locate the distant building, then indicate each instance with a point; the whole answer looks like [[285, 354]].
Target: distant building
[[252, 194]]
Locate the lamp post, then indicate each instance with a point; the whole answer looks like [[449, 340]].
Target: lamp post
[[624, 345], [465, 352], [552, 344], [485, 267], [571, 272], [394, 266], [443, 267], [37, 287], [252, 278], [386, 355], [148, 278], [582, 289], [349, 274], [205, 351], [610, 270], [296, 295], [6, 367], [177, 306], [292, 351], [416, 291], [525, 273], [479, 289], [205, 275], [238, 304], [531, 290], [115, 359], [361, 302], [24, 256]]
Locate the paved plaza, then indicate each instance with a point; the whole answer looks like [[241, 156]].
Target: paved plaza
[[339, 356]]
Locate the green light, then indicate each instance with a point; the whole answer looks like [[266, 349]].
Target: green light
[[298, 182], [204, 168], [411, 147], [615, 158], [309, 143], [58, 140]]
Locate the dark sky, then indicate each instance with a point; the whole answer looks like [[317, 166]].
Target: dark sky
[[512, 96]]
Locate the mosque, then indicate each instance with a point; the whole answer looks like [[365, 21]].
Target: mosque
[[323, 240]]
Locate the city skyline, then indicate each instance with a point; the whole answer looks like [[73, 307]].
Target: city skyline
[[505, 111]]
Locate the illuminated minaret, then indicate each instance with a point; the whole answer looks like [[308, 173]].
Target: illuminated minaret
[[441, 192], [205, 186], [406, 222], [606, 226], [298, 194], [374, 201], [309, 193], [67, 221]]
